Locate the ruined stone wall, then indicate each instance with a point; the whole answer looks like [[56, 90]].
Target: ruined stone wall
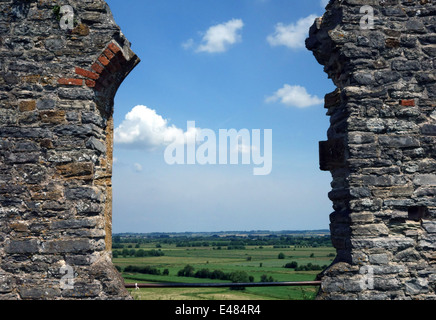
[[56, 101], [381, 148], [57, 87]]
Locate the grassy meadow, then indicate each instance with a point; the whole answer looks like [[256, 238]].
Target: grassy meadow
[[259, 262]]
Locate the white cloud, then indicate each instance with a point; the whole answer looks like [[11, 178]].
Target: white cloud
[[218, 38], [294, 96], [292, 35], [144, 128]]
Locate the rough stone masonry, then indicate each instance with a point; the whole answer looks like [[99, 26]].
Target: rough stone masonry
[[57, 86], [56, 100], [381, 147]]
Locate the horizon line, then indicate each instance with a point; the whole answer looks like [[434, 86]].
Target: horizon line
[[225, 231]]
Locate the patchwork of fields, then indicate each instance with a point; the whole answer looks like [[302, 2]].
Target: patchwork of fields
[[254, 262]]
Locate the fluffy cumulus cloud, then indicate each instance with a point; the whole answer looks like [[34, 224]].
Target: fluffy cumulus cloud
[[218, 38], [143, 128], [293, 35], [294, 96]]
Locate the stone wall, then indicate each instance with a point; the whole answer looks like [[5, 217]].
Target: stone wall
[[57, 87], [381, 148], [56, 101]]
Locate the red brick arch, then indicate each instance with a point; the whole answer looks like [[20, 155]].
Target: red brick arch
[[100, 73]]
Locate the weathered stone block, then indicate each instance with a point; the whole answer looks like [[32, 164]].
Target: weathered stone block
[[408, 255], [429, 226], [67, 246], [22, 157], [398, 141], [386, 284], [73, 224], [356, 284], [73, 130], [29, 105], [54, 117], [429, 130], [38, 292], [22, 246], [390, 243], [381, 258], [6, 283], [425, 180], [360, 138], [76, 93], [84, 193], [96, 144], [395, 191], [45, 104], [381, 181], [417, 286], [362, 217], [83, 170], [370, 230], [83, 290]]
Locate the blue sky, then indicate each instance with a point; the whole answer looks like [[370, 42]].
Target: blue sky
[[225, 64]]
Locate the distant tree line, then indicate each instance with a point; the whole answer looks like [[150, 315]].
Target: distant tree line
[[144, 270], [137, 253], [228, 241], [307, 267], [234, 276]]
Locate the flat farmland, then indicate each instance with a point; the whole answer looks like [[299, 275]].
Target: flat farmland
[[164, 262]]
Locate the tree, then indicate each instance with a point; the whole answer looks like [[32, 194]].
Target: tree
[[292, 264], [187, 271], [125, 252], [265, 278], [281, 255], [140, 253], [239, 277], [203, 273], [218, 274]]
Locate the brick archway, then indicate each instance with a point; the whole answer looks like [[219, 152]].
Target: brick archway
[[105, 75]]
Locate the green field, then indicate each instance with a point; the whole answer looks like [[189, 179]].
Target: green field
[[255, 260]]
